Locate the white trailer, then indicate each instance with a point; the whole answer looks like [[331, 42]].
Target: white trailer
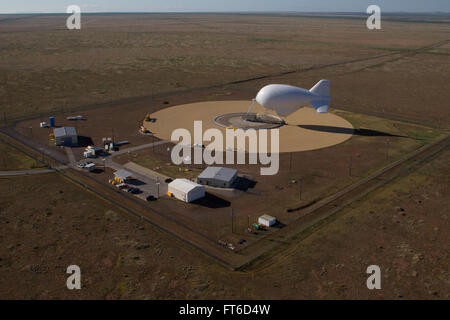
[[90, 167]]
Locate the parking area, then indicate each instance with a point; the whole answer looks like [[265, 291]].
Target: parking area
[[141, 184]]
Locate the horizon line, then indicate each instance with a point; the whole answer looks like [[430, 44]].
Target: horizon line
[[240, 11]]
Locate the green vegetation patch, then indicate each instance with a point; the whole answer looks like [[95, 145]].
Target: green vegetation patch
[[153, 163], [12, 159]]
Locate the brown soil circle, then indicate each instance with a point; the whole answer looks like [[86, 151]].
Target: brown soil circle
[[304, 130]]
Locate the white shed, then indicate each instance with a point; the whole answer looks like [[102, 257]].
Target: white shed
[[186, 190], [267, 220]]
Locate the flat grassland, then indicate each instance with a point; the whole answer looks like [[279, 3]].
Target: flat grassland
[[120, 67], [315, 174], [46, 68], [403, 228], [12, 158]]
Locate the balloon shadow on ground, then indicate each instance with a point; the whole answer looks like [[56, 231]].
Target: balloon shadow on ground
[[357, 132]]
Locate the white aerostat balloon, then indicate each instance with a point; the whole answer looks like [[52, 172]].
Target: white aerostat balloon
[[285, 99]]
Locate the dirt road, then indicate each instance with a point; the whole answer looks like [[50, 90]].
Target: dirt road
[[24, 172]]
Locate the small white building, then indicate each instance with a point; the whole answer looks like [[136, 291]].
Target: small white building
[[92, 152], [89, 154], [186, 190], [266, 220]]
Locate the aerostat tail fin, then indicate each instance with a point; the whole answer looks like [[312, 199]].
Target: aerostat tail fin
[[321, 106], [322, 88]]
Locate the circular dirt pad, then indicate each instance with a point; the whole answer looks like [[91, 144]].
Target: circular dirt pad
[[304, 130]]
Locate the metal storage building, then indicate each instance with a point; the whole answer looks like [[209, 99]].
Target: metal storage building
[[217, 177], [186, 190], [66, 136]]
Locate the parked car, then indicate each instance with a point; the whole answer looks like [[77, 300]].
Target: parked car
[[133, 190], [151, 198], [84, 164], [168, 180]]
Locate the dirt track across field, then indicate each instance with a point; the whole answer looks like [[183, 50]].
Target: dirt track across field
[[305, 130]]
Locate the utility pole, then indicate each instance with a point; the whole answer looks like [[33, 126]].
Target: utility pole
[[290, 162], [62, 106], [350, 165], [43, 160], [387, 149], [232, 220], [300, 189], [157, 185]]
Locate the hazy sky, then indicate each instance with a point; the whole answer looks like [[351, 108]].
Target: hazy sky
[[20, 6]]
